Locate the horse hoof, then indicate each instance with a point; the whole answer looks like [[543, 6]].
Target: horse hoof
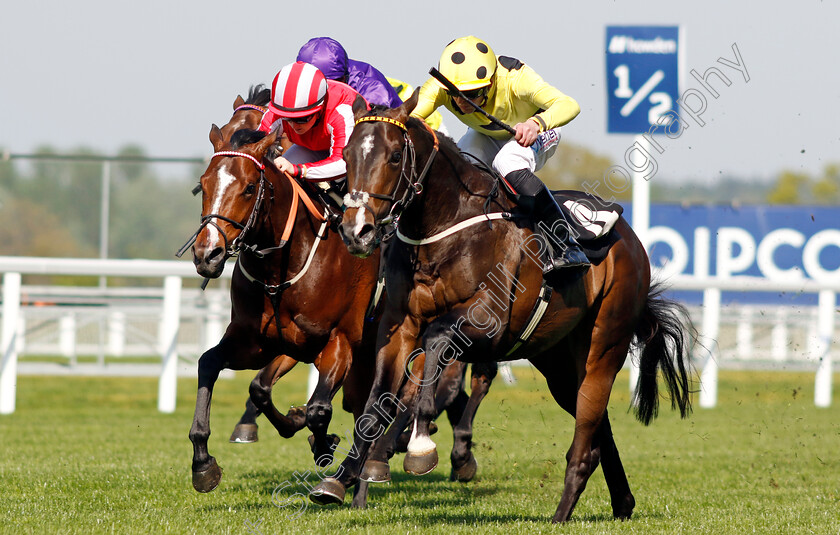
[[244, 434], [328, 492], [420, 464], [466, 472], [207, 480], [376, 472], [623, 510], [332, 442]]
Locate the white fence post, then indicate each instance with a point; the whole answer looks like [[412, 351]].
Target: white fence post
[[116, 333], [825, 331], [779, 336], [167, 387], [8, 359], [67, 336], [213, 326], [744, 333], [710, 330]]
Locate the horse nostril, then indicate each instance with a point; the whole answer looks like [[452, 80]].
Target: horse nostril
[[367, 228], [214, 253]]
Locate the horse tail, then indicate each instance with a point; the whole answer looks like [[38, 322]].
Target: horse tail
[[664, 333]]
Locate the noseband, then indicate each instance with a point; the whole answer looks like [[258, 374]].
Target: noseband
[[408, 172]]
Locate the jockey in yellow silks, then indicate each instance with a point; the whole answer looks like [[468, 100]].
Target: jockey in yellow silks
[[514, 93]]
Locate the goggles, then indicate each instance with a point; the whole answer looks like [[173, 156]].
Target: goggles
[[473, 94], [300, 120]]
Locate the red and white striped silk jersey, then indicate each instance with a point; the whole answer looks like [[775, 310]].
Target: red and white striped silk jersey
[[329, 133]]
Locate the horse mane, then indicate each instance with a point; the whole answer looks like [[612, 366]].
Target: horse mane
[[258, 95]]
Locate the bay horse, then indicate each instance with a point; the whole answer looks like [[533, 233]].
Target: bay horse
[[284, 305], [316, 324], [466, 295]]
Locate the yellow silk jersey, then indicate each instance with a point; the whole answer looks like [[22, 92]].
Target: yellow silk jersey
[[518, 93]]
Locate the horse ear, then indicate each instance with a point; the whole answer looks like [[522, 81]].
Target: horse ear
[[262, 146], [360, 106], [408, 106], [216, 138], [238, 102]]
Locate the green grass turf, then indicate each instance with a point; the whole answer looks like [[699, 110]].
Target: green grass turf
[[93, 455]]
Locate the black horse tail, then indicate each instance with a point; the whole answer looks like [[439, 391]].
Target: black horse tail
[[664, 335]]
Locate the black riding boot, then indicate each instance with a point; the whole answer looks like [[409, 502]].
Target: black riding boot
[[564, 250]]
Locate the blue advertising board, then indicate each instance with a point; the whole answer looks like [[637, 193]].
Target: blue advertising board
[[775, 242], [642, 76]]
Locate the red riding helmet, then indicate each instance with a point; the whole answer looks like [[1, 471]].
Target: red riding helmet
[[298, 90]]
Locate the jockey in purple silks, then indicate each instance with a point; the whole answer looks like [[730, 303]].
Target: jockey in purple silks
[[331, 59]]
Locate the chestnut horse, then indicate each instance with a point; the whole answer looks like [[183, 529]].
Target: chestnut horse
[[317, 325], [468, 294]]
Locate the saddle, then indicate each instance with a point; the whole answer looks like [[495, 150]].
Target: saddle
[[592, 218]]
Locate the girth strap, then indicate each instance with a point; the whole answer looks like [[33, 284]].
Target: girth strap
[[534, 319]]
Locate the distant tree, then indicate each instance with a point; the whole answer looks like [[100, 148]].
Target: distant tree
[[30, 229], [152, 219], [789, 188], [572, 165], [826, 190], [130, 172]]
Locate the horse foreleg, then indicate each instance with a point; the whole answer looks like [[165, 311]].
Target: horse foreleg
[[464, 465], [400, 338], [421, 457], [245, 431], [206, 473], [376, 468], [332, 366], [260, 389]]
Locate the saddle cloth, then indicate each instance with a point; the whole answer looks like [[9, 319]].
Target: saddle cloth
[[593, 220]]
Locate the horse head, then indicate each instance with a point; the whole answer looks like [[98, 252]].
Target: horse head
[[380, 165], [232, 190]]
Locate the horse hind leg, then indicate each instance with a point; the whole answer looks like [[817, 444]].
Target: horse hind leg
[[590, 410], [464, 464], [563, 378], [621, 498], [333, 364], [286, 425], [246, 430]]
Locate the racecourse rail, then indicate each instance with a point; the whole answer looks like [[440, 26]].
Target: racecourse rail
[[167, 304]]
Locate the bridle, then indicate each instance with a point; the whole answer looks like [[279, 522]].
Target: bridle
[[233, 248], [408, 174]]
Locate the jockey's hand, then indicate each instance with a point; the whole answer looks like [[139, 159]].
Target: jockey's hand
[[526, 133], [284, 165]]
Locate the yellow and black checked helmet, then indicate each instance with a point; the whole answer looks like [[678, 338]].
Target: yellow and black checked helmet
[[468, 62]]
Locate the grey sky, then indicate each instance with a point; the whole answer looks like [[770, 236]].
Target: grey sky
[[158, 74]]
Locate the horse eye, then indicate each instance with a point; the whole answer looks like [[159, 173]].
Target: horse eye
[[396, 156], [249, 189]]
